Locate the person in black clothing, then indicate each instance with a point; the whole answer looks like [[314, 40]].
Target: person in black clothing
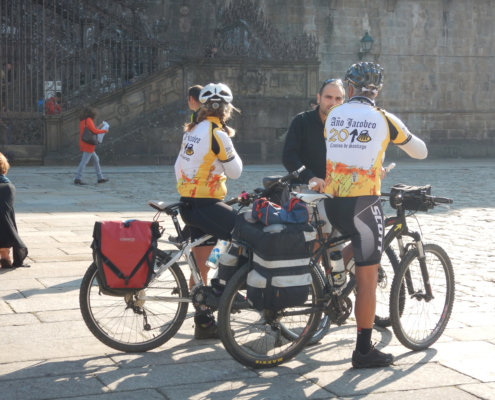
[[9, 237], [305, 143], [194, 105], [193, 101]]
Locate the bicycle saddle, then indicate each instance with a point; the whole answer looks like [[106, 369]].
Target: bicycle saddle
[[162, 206], [311, 198]]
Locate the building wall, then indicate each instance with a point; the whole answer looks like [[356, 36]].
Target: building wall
[[437, 55]]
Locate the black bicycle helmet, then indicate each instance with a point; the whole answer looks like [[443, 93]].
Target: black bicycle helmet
[[365, 74]]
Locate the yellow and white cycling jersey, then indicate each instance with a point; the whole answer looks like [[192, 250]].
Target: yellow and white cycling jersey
[[357, 134], [207, 156]]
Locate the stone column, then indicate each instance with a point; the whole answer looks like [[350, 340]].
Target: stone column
[[53, 138]]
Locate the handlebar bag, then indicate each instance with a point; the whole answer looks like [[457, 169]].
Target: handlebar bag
[[409, 204], [278, 194], [125, 254], [281, 274], [292, 212]]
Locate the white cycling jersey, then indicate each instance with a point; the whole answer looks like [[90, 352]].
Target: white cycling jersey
[[357, 134], [207, 156]]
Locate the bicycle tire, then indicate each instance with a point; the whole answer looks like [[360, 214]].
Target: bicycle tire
[[122, 328], [247, 336], [386, 272], [422, 323], [322, 328]]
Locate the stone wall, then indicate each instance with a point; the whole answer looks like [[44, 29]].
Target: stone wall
[[146, 118], [437, 56]]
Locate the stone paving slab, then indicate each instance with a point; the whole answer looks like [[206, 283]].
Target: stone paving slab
[[267, 388], [46, 347], [348, 382], [174, 374], [486, 392], [451, 393], [151, 394], [49, 388]]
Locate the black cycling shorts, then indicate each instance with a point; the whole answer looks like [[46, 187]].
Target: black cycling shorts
[[208, 217], [362, 218]]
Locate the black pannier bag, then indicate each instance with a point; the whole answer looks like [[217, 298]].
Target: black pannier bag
[[125, 254], [228, 265], [411, 204], [281, 276]]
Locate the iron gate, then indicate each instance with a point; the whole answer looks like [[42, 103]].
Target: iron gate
[[76, 47]]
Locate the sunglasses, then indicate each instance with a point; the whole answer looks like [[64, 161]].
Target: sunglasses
[[338, 81]]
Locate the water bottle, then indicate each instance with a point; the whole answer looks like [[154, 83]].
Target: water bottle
[[214, 257], [339, 276]]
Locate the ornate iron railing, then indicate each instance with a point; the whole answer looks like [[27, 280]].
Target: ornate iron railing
[[85, 49], [75, 47]]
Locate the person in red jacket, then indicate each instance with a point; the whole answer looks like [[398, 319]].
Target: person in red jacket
[[52, 105], [87, 117]]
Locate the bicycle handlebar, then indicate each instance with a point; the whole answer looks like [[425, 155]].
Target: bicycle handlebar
[[246, 197], [422, 197], [232, 201]]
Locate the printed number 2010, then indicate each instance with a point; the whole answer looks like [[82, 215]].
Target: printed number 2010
[[341, 135]]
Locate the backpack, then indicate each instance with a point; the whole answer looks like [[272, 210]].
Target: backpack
[[292, 212], [281, 274], [125, 254]]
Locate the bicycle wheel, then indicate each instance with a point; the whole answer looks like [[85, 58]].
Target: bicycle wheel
[[126, 322], [322, 328], [422, 322], [386, 271], [254, 338]]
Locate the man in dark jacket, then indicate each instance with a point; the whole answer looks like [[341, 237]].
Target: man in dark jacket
[[305, 142]]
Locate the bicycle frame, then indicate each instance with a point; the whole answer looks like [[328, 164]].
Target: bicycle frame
[[183, 250], [398, 229]]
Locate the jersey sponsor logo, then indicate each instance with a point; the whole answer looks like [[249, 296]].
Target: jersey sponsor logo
[[379, 221], [193, 139], [189, 149], [342, 135], [364, 136]]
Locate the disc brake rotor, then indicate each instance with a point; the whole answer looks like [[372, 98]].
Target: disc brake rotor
[[382, 278]]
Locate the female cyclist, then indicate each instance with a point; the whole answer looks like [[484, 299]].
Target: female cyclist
[[207, 157]]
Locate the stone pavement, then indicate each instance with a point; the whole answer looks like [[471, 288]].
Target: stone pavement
[[46, 351]]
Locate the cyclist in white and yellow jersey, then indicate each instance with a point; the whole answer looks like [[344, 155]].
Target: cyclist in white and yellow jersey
[[207, 157], [357, 134]]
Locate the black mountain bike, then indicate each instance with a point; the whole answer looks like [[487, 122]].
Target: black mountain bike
[[270, 338]]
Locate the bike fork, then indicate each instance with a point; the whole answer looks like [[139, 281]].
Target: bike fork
[[424, 270]]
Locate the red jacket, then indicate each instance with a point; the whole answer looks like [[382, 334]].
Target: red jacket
[[52, 107], [88, 122]]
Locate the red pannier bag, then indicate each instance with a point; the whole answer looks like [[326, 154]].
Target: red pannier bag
[[125, 254]]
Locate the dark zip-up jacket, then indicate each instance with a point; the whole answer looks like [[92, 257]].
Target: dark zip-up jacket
[[305, 145]]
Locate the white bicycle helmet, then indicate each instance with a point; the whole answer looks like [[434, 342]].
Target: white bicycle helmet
[[215, 92]]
